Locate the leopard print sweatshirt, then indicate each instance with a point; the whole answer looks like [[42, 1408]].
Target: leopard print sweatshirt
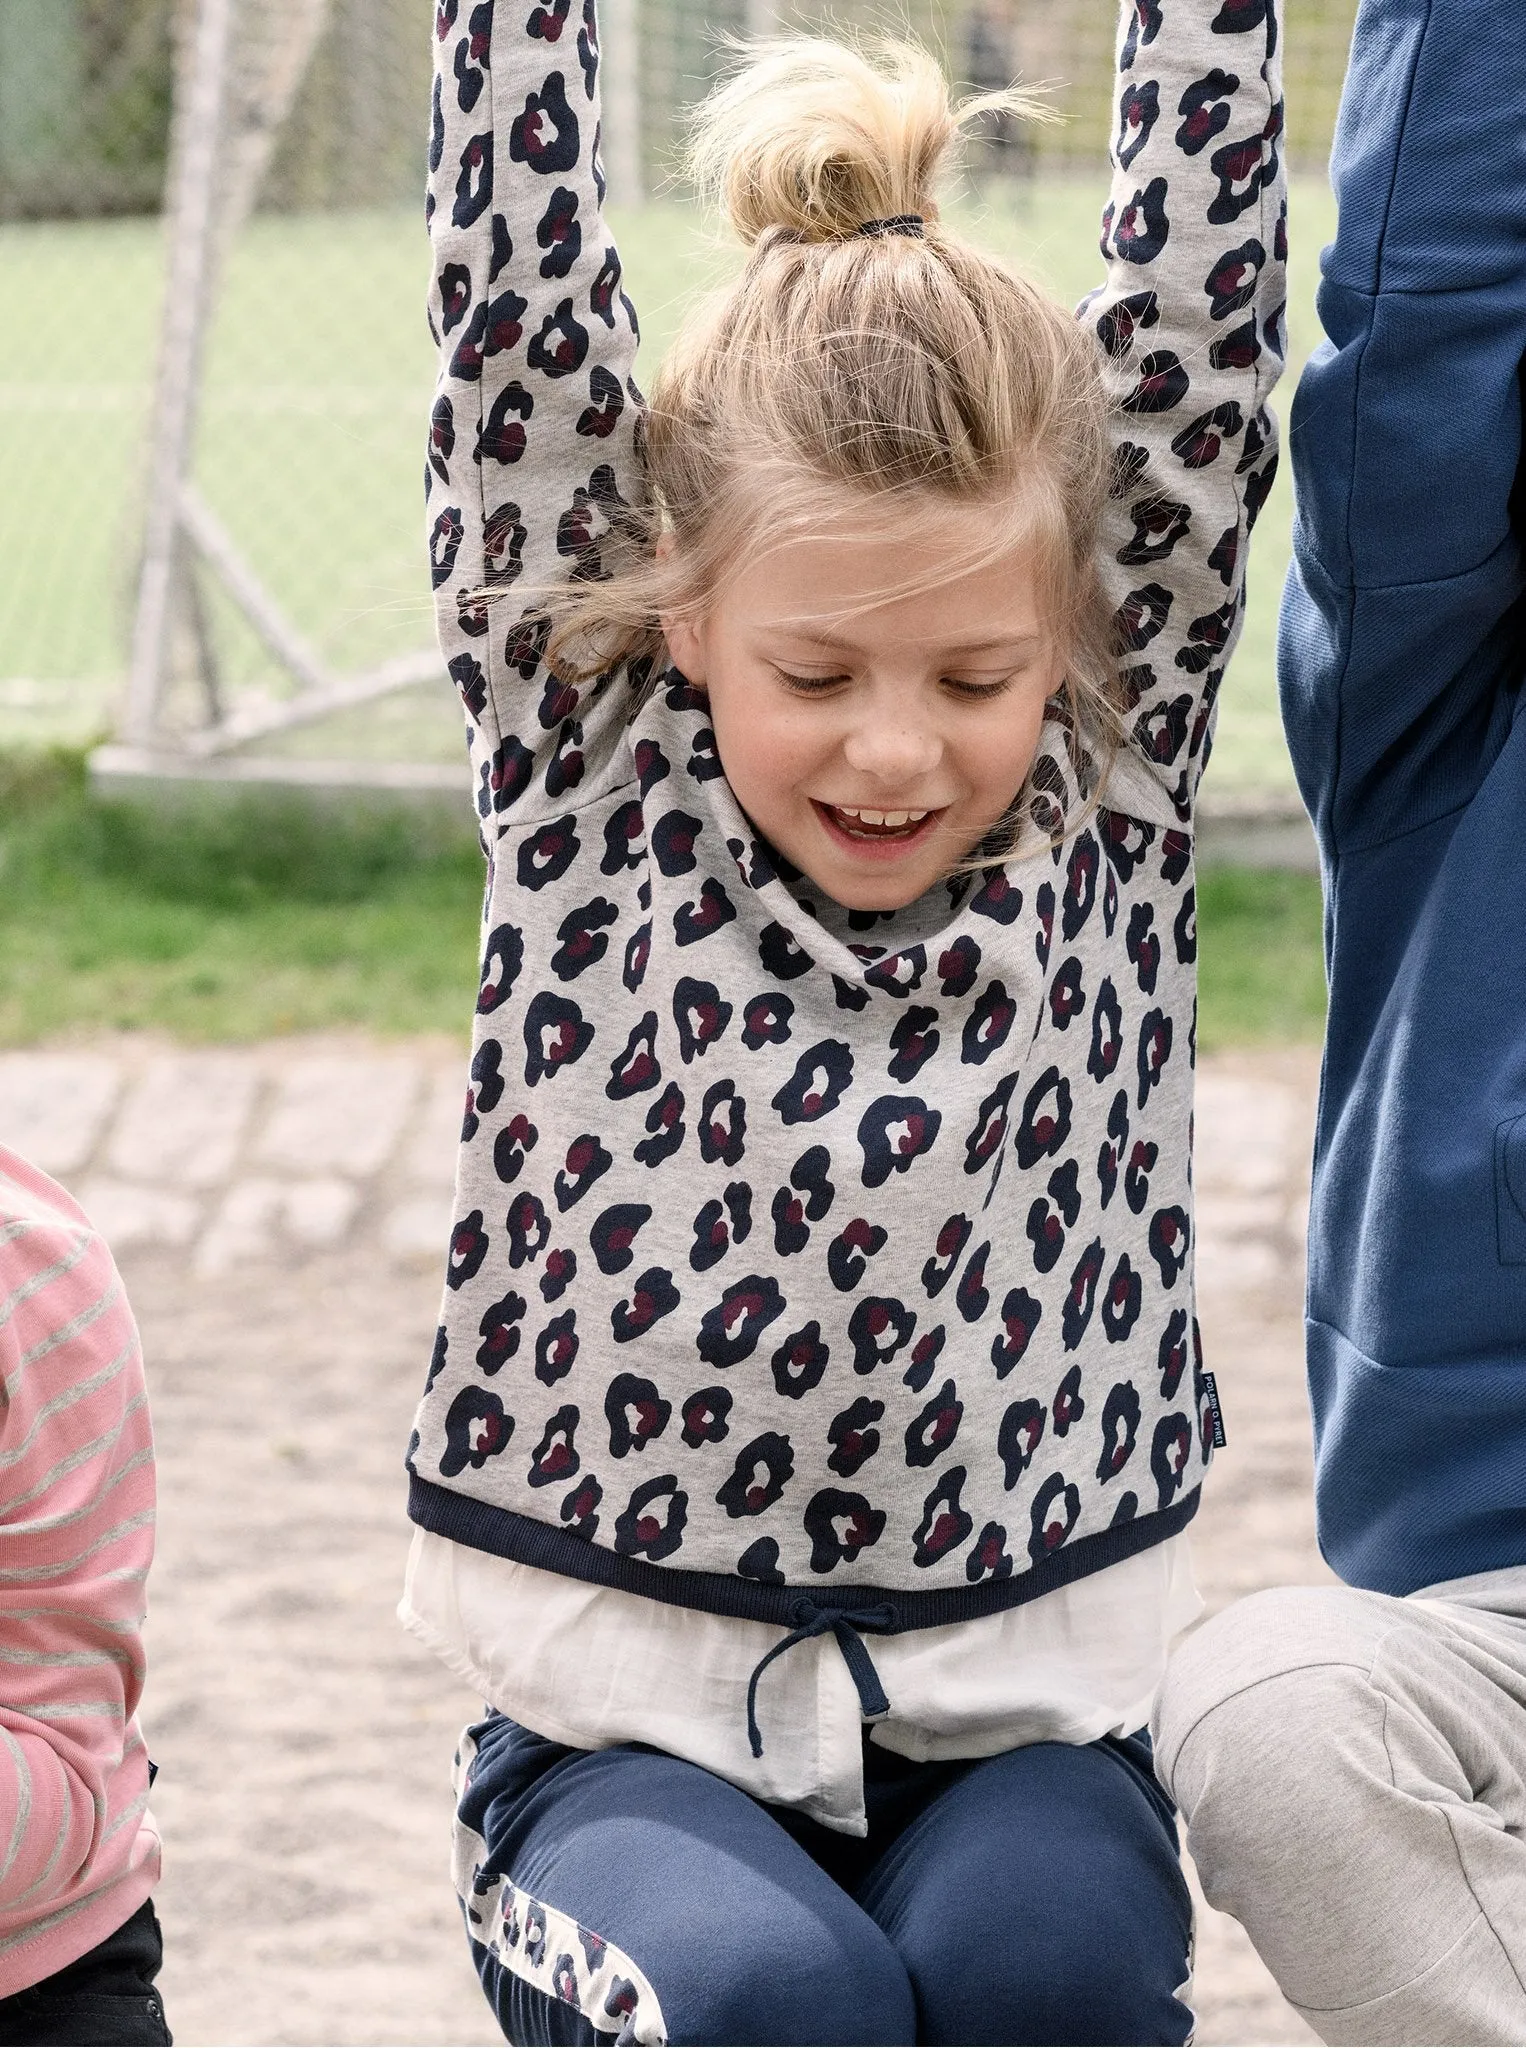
[[811, 1264]]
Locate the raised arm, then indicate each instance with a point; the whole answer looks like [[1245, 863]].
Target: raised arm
[[1190, 322], [532, 437], [1398, 661]]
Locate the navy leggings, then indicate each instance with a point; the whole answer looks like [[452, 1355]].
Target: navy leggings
[[1035, 1896]]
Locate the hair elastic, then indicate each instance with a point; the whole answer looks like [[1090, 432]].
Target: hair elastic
[[897, 224]]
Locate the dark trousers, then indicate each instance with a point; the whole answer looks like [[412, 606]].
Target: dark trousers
[[106, 1997], [1035, 1896]]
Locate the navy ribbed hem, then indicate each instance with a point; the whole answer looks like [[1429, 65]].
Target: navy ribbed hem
[[481, 1526]]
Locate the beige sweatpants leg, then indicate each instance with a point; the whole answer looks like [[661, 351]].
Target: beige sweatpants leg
[[1352, 1771]]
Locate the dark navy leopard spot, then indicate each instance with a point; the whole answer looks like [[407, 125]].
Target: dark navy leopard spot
[[990, 1130], [731, 1330], [476, 1429], [653, 1297], [894, 1131], [849, 1253], [1020, 1316], [1172, 1361], [766, 1020], [583, 938], [971, 1295], [1120, 1430], [1170, 1236], [763, 1469], [840, 1525], [931, 1432], [701, 1015], [818, 1084], [1056, 1510], [665, 1127], [989, 1557], [558, 1274], [853, 1437], [958, 966], [1082, 1296], [636, 1413], [925, 1354], [988, 1026], [502, 958], [1169, 1454], [951, 1241], [877, 1330], [705, 1417], [641, 1532], [1020, 1434], [614, 1233], [556, 1455], [468, 1248], [636, 1068], [1068, 1406], [556, 1348], [556, 1036], [945, 1523], [722, 1124], [587, 1161], [1046, 1119]]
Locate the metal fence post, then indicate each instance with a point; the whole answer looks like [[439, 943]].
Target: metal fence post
[[191, 226]]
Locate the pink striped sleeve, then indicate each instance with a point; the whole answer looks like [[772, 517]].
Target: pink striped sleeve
[[78, 1852]]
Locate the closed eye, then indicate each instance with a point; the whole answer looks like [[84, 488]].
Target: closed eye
[[963, 687], [809, 686]]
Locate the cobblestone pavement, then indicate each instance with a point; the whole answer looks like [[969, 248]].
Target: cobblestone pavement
[[279, 1214]]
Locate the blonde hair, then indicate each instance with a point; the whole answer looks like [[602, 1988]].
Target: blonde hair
[[845, 371]]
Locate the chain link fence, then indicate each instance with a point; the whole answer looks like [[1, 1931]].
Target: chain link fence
[[305, 384]]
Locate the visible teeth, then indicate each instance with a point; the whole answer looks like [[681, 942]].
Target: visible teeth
[[888, 820]]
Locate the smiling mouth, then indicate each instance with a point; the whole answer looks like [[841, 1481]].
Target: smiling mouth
[[877, 828]]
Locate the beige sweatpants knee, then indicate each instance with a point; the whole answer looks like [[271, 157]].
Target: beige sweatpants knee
[[1352, 1772]]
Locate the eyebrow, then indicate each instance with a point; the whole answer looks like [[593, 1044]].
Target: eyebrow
[[830, 645]]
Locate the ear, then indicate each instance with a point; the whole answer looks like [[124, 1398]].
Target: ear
[[685, 636], [686, 643]]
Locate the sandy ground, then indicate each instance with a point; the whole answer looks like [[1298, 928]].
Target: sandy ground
[[287, 1293]]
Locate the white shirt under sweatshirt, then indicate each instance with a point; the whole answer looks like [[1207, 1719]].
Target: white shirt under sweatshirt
[[592, 1666]]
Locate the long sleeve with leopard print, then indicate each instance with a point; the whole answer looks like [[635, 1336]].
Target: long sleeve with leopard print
[[807, 1259]]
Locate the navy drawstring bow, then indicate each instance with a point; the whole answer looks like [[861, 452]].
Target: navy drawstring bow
[[845, 1623]]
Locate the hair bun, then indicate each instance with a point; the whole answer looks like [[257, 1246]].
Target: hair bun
[[813, 138]]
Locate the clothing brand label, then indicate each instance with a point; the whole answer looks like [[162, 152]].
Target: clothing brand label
[[1211, 1396]]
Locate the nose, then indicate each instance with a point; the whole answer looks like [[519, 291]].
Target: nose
[[896, 751]]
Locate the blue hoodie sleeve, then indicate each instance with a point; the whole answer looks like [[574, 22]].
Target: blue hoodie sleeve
[[1399, 659]]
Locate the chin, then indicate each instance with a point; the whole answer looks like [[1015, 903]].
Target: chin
[[872, 892]]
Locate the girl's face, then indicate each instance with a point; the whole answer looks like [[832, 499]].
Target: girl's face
[[875, 738]]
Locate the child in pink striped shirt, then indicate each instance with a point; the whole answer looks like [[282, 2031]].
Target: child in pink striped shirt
[[79, 1854]]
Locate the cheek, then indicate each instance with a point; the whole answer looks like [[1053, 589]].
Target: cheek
[[766, 749], [998, 757]]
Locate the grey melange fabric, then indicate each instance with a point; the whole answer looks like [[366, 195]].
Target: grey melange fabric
[[1352, 1771]]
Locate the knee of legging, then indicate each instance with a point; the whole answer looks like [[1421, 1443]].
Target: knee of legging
[[814, 1984], [1097, 1966]]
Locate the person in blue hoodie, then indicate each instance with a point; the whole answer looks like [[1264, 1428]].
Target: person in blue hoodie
[[1352, 1759]]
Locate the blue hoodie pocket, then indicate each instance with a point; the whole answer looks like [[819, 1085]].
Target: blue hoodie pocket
[[1510, 1189]]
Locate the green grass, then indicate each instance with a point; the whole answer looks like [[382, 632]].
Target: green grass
[[254, 919], [1261, 973]]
